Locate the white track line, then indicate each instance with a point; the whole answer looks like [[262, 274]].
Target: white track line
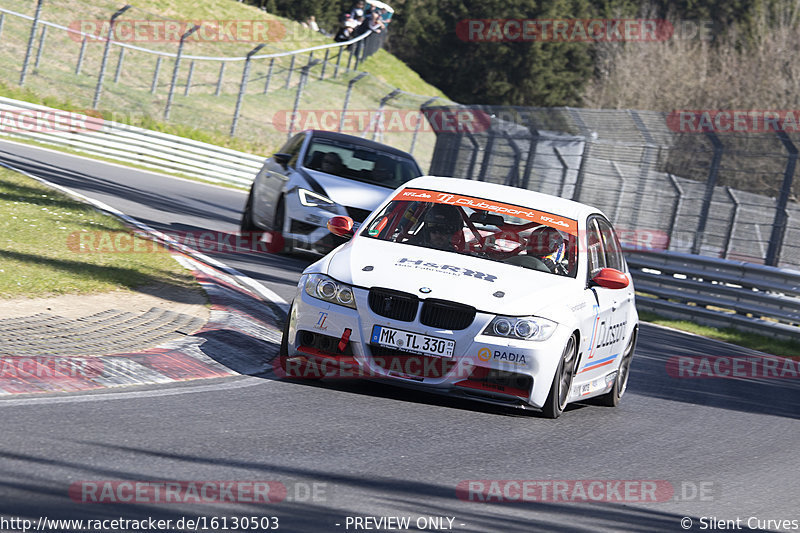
[[245, 281], [100, 396]]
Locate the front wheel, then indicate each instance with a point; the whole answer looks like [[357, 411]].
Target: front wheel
[[613, 397], [296, 368], [562, 381], [247, 225]]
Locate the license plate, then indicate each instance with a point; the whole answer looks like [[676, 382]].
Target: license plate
[[412, 342]]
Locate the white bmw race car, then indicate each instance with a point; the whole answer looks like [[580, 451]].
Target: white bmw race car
[[485, 291]]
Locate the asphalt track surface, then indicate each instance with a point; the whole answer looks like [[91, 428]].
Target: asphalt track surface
[[726, 447]]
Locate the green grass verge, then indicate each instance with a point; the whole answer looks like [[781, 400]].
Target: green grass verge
[[40, 234], [761, 343]]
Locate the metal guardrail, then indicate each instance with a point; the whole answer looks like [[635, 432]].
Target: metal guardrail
[[718, 292], [150, 149]]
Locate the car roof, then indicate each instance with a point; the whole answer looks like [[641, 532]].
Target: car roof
[[366, 143], [506, 194]]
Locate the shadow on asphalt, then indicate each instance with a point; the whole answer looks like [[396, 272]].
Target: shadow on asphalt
[[344, 495]]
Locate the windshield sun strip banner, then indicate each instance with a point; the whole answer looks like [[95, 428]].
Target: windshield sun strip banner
[[567, 225]]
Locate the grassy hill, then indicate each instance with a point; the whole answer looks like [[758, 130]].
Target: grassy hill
[[204, 112]]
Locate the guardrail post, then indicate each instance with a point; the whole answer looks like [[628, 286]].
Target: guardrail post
[[589, 137], [80, 57], [154, 85], [379, 115], [487, 155], [675, 210], [732, 224], [104, 62], [119, 64], [512, 180], [711, 182], [324, 63], [175, 69], [349, 58], [2, 23], [648, 161], [42, 37], [473, 158], [534, 143], [269, 75], [189, 79], [301, 85], [359, 46], [243, 86], [781, 216], [621, 192], [338, 59], [564, 170], [31, 40], [347, 97], [289, 75], [419, 122], [218, 90]]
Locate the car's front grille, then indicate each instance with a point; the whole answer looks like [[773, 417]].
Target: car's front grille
[[358, 215], [393, 304], [446, 315], [403, 363]]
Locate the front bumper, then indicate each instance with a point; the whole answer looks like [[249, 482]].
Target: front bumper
[[306, 228], [337, 341]]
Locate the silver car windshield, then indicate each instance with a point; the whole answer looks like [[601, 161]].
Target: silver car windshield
[[360, 163]]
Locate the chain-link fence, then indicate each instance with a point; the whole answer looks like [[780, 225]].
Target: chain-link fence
[[242, 77], [728, 195]]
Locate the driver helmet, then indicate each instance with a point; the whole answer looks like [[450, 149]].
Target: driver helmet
[[547, 242]]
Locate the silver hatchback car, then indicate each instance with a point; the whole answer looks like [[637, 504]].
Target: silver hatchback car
[[317, 175]]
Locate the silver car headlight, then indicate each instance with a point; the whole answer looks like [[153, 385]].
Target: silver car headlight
[[329, 290], [529, 328], [312, 199]]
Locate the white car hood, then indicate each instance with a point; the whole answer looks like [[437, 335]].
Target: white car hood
[[351, 193], [486, 285]]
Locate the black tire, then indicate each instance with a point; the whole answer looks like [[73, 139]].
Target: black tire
[[562, 380], [297, 371], [278, 228], [613, 397], [247, 225]]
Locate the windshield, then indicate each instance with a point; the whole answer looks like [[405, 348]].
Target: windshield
[[359, 163], [511, 234]]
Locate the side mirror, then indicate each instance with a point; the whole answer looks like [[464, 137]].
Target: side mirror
[[282, 159], [341, 226], [611, 278]]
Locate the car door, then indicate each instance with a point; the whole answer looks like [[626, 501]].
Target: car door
[[602, 321], [270, 182]]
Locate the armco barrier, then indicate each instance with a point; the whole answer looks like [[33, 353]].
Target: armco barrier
[[151, 149], [718, 292]]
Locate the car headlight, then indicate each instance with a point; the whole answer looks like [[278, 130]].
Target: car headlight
[[329, 290], [312, 199], [529, 328]]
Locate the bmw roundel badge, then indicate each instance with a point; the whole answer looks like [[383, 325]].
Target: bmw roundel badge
[[424, 290]]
